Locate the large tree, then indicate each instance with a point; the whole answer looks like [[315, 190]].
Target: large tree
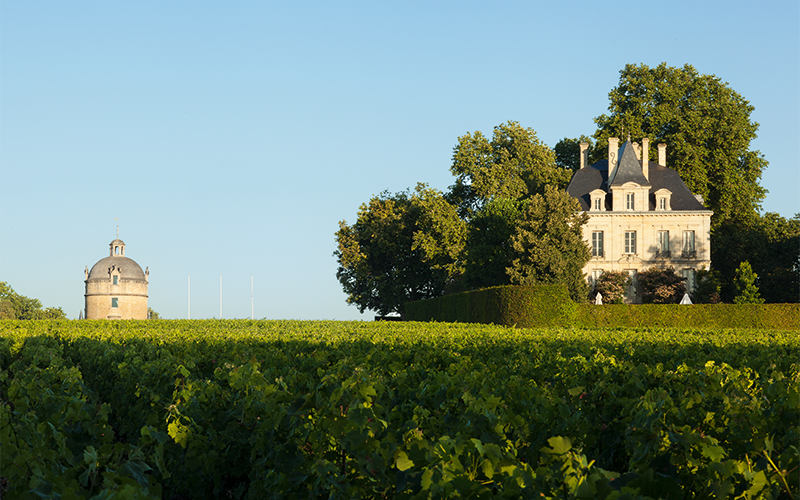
[[514, 164], [488, 249], [706, 126], [411, 246], [771, 244], [568, 152], [547, 244], [16, 306], [402, 247]]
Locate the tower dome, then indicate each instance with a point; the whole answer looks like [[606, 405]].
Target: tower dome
[[116, 287]]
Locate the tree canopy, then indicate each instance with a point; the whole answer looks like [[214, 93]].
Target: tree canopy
[[402, 247], [568, 152], [706, 126], [422, 244], [771, 245], [16, 306], [515, 164], [547, 244]]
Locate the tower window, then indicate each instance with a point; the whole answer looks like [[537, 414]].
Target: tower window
[[116, 279], [114, 302]]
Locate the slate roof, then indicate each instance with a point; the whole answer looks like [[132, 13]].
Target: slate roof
[[595, 176], [629, 169]]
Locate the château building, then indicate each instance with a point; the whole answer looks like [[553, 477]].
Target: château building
[[641, 214], [116, 287]]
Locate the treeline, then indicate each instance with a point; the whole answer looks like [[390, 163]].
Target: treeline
[[508, 220], [16, 306]]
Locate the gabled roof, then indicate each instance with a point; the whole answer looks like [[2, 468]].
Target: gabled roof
[[628, 168]]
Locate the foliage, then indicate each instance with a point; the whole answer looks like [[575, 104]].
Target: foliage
[[255, 409], [406, 247], [707, 290], [488, 250], [520, 306], [549, 306], [771, 316], [440, 233], [661, 286], [745, 285], [513, 165], [16, 306], [771, 244], [706, 126], [568, 152], [151, 314], [612, 286], [380, 268], [548, 246]]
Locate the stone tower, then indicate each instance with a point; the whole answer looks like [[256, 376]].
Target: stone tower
[[116, 287]]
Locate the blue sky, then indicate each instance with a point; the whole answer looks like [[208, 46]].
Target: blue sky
[[229, 138]]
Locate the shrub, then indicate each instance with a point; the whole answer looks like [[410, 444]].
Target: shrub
[[744, 283], [611, 285], [662, 286]]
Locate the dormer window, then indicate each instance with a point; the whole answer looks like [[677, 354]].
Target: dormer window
[[115, 279], [598, 197], [663, 199], [629, 201]]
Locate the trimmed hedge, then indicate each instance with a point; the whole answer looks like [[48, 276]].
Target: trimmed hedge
[[770, 316], [543, 306], [522, 306]]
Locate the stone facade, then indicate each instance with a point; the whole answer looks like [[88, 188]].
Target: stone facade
[[641, 214], [116, 287]]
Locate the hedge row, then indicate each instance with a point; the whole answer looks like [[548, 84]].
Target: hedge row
[[523, 306], [542, 306]]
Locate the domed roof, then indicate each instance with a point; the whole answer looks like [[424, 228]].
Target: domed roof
[[128, 268]]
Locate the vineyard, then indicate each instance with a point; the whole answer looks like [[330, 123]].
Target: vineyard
[[300, 409]]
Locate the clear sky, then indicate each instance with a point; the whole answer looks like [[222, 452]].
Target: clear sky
[[229, 138]]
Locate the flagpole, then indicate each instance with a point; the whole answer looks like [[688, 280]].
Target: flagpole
[[220, 296], [189, 296], [251, 296]]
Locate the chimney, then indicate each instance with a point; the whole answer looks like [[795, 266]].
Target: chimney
[[662, 154], [646, 158], [637, 150], [584, 154], [613, 149]]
